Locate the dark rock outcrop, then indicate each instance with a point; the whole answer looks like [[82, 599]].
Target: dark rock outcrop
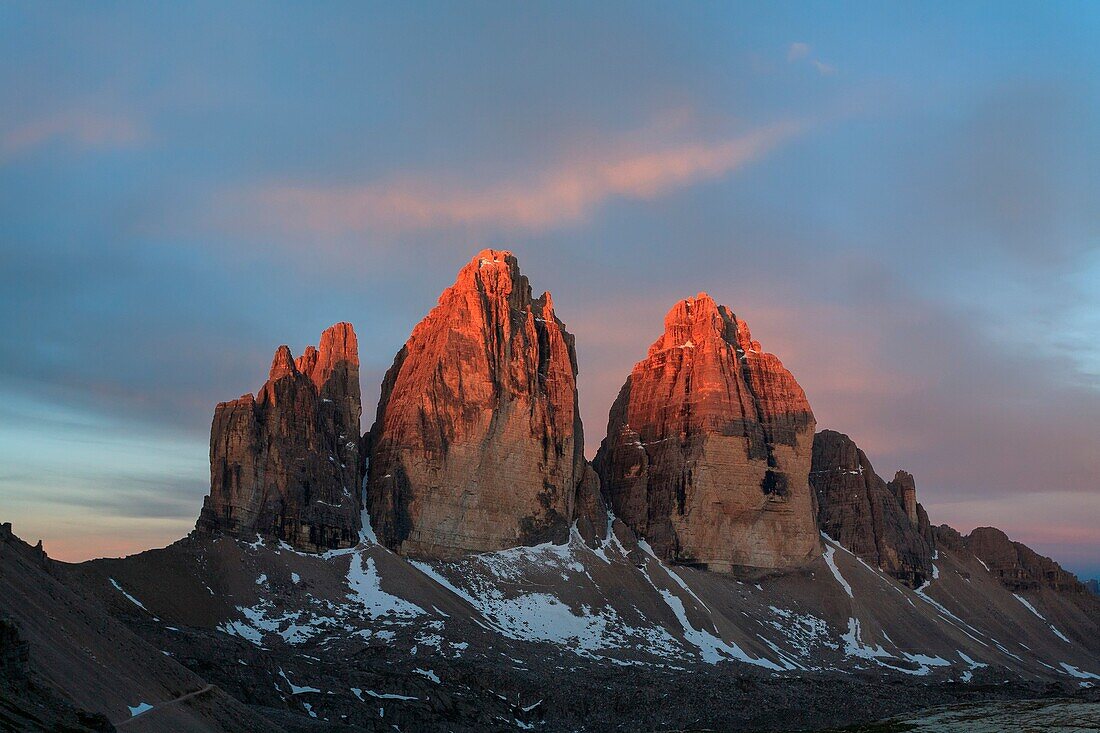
[[285, 464], [1093, 586], [949, 538], [880, 522], [590, 510], [708, 447], [1017, 566], [478, 445]]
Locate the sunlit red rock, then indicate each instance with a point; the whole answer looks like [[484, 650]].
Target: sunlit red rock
[[477, 444], [880, 522], [708, 447], [285, 463]]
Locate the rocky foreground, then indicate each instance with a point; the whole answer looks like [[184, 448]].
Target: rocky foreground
[[556, 638], [462, 567]]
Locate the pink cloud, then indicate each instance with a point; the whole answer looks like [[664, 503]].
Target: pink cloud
[[564, 194], [83, 129]]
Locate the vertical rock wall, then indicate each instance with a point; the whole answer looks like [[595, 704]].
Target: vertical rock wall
[[708, 447], [285, 463], [478, 443]]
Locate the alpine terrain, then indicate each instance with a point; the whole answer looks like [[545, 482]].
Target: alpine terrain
[[721, 564]]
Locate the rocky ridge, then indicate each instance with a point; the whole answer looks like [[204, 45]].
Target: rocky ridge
[[477, 446], [881, 522], [708, 447], [1016, 566]]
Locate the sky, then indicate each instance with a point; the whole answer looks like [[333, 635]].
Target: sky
[[899, 198]]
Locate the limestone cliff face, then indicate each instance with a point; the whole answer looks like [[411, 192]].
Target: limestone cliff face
[[708, 447], [880, 522], [285, 463], [477, 444]]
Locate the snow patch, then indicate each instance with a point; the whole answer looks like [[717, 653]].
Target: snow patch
[[1078, 673], [540, 616], [428, 673], [973, 664], [829, 552], [140, 708], [802, 631], [295, 689], [855, 647], [1059, 634], [711, 648], [389, 696], [1027, 605], [365, 586], [129, 597]]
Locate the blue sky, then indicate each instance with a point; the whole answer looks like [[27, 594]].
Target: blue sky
[[899, 198]]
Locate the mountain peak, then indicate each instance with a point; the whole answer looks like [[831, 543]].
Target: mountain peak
[[286, 464], [708, 447], [282, 364], [477, 445]]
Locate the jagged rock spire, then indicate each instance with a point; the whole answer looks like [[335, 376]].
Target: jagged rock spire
[[285, 464]]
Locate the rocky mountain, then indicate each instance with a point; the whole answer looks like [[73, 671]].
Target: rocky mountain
[[462, 568], [478, 443], [881, 522], [1017, 566], [708, 447], [285, 463], [1093, 586]]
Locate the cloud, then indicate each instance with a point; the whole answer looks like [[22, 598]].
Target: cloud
[[81, 129], [796, 51], [564, 194]]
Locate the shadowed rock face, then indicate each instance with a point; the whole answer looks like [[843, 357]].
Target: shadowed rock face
[[880, 522], [285, 463], [1017, 566], [477, 444], [708, 447]]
